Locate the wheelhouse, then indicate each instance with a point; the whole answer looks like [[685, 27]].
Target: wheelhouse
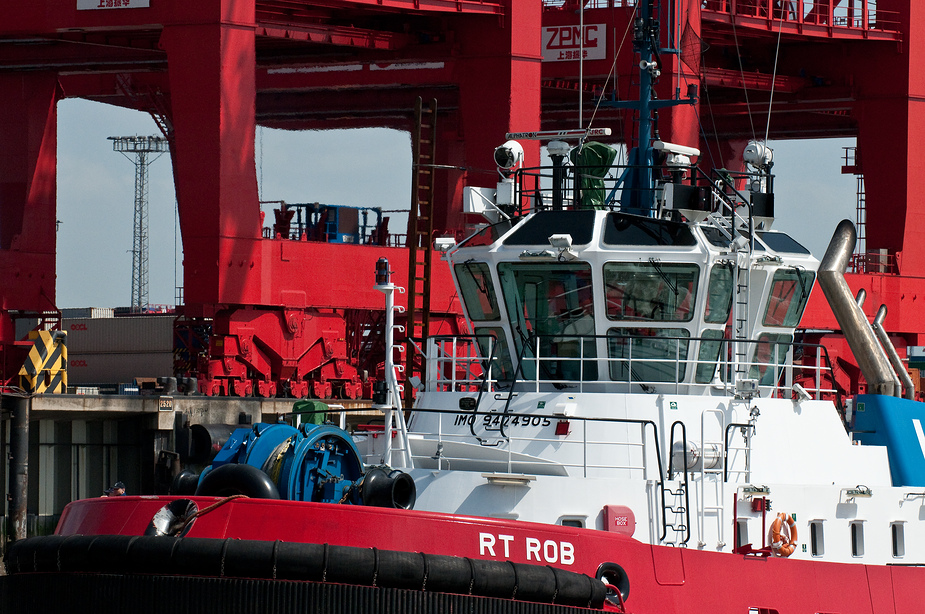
[[632, 303]]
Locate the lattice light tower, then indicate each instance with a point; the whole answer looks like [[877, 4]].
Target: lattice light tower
[[141, 147]]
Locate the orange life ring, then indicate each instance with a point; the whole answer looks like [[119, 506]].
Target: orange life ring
[[783, 545]]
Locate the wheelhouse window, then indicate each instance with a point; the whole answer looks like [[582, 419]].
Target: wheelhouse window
[[711, 343], [651, 291], [477, 291], [623, 229], [551, 310], [719, 294], [769, 357], [647, 354], [789, 292], [782, 243], [537, 230], [493, 347]]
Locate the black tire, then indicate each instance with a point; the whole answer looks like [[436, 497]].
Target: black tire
[[234, 479], [184, 483]]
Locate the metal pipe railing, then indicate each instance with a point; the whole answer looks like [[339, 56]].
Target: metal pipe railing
[[625, 370]]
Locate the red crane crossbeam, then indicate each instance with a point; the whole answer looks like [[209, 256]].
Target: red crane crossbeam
[[815, 18], [475, 7], [212, 69], [752, 80], [339, 36]]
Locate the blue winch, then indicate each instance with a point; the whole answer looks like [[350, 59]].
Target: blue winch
[[317, 463]]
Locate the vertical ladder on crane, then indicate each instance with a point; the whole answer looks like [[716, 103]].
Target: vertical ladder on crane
[[852, 166], [862, 217], [420, 236]]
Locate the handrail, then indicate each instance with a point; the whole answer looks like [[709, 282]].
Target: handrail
[[535, 186], [729, 429], [875, 263], [778, 383], [685, 486], [510, 415]]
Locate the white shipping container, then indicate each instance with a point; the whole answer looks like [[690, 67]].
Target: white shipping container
[[120, 335], [117, 368], [69, 313], [102, 312]]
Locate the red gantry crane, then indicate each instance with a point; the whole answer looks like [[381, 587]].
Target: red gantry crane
[[272, 311]]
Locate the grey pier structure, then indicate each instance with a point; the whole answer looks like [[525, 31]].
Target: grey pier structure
[[57, 448]]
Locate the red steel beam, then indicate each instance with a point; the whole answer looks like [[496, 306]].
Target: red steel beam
[[473, 7], [800, 18], [211, 47], [723, 77], [424, 71], [31, 20], [338, 36], [211, 70]]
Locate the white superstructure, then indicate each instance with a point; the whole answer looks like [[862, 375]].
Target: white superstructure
[[638, 374]]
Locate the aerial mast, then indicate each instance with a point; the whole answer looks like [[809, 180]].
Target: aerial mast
[[637, 179]]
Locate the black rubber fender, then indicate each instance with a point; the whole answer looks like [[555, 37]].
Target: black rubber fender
[[614, 575], [383, 487], [185, 483], [293, 561], [235, 479]]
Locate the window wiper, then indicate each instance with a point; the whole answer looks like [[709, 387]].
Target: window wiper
[[799, 274], [658, 269], [480, 287]]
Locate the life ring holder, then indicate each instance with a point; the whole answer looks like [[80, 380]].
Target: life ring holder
[[783, 545]]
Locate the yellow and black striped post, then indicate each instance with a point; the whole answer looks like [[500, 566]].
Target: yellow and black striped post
[[45, 370]]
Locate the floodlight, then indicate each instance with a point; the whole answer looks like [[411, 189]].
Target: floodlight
[[509, 156]]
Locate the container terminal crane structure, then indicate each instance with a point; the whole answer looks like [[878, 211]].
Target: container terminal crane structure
[[278, 313]]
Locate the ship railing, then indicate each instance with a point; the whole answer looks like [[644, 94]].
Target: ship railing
[[875, 262], [731, 190], [582, 187], [498, 433], [632, 188], [616, 362], [379, 237]]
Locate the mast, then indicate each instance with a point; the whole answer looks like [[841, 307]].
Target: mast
[[637, 179]]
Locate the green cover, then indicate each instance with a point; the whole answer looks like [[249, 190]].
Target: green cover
[[305, 406], [598, 158]]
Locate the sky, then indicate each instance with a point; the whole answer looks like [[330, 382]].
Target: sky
[[96, 195], [360, 168]]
